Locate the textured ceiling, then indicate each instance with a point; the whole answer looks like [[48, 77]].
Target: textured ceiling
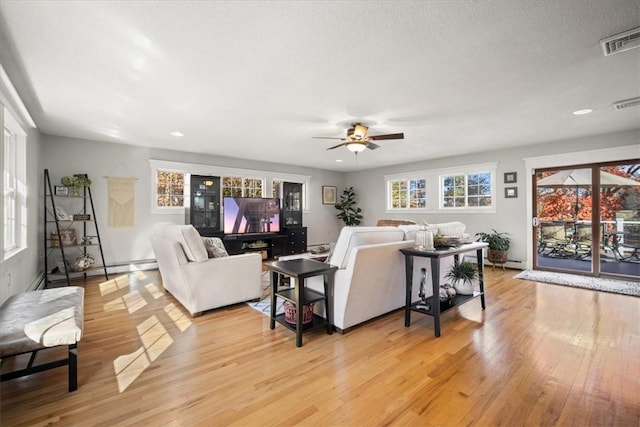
[[257, 80]]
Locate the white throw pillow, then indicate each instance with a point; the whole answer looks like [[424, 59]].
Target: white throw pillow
[[215, 247]]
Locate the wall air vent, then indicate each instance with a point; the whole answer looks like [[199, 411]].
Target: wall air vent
[[621, 42], [627, 103]]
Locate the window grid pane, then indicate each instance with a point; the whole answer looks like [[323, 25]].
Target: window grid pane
[[170, 189], [471, 190], [10, 178]]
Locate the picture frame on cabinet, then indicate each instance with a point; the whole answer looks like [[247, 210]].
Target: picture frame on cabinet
[[329, 195]]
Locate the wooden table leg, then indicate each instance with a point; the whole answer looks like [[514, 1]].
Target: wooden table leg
[[274, 288], [299, 293], [435, 280], [408, 267]]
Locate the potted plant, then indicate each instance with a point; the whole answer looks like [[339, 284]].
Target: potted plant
[[462, 275], [75, 182], [349, 213], [499, 245]]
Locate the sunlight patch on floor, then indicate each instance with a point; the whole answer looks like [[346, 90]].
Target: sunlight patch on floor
[[154, 290], [134, 301], [155, 340], [181, 321], [113, 285]]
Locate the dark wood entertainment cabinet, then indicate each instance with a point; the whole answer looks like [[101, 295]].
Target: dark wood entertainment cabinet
[[274, 244]]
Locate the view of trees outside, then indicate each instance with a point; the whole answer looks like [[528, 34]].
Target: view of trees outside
[[574, 202], [170, 189]]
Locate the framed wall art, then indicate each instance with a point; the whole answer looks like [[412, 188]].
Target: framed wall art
[[510, 177], [511, 192], [329, 195]]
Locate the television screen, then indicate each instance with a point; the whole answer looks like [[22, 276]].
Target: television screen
[[251, 215]]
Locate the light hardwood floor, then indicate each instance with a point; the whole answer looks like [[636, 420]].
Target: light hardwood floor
[[538, 355]]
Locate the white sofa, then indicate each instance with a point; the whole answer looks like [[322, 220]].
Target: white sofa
[[370, 280], [201, 283]]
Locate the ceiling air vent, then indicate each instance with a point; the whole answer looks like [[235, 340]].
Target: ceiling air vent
[[621, 42], [627, 103]]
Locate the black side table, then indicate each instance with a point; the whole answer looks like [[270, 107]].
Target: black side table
[[298, 270], [436, 308]]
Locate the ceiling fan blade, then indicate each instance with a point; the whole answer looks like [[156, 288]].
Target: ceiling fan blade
[[372, 146], [388, 136], [336, 146], [326, 137]]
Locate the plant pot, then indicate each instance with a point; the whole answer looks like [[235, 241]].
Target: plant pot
[[497, 257], [463, 288]]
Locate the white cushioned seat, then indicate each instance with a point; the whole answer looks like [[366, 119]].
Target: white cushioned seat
[[351, 237]]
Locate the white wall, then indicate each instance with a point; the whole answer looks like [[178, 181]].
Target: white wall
[[511, 215], [66, 156]]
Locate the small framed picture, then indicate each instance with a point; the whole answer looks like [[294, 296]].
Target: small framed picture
[[61, 190], [329, 195], [510, 177], [511, 192]]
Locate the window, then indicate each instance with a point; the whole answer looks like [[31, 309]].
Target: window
[[252, 187], [171, 180], [276, 186], [14, 177], [234, 186], [473, 190], [408, 194], [169, 189]]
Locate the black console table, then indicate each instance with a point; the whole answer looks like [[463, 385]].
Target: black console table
[[298, 270], [436, 308]]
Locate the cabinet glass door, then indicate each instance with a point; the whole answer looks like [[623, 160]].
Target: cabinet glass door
[[205, 203], [291, 204]]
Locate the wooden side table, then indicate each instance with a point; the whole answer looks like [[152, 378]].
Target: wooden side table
[[436, 308], [298, 270]]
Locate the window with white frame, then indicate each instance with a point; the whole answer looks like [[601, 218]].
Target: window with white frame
[[171, 182], [14, 178], [407, 194], [169, 189], [467, 190]]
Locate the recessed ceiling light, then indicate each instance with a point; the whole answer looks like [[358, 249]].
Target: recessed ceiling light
[[339, 160], [583, 112], [176, 133]]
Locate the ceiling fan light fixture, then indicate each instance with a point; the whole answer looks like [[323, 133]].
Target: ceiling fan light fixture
[[359, 131], [356, 147]]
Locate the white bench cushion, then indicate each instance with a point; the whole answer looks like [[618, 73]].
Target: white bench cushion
[[47, 318]]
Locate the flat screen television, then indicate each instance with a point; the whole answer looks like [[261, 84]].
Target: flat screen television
[[251, 215]]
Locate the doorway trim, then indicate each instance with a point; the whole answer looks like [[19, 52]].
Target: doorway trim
[[567, 159]]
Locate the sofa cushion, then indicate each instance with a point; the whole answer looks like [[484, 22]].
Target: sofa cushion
[[215, 247], [350, 237], [410, 230], [190, 240]]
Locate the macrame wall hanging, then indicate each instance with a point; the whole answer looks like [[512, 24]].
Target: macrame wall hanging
[[122, 201]]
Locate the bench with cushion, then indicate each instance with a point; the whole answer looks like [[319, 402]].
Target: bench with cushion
[[33, 321]]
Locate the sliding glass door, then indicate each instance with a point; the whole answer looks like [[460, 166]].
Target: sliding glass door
[[587, 219]]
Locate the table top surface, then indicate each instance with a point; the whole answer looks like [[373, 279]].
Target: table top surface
[[300, 267], [439, 253]]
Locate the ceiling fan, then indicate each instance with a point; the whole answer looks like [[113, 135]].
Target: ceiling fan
[[357, 138]]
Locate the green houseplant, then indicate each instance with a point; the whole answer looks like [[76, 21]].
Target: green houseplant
[[499, 245], [75, 182], [462, 275], [349, 213]]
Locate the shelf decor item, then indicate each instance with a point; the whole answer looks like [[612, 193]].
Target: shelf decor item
[[462, 275], [61, 190], [75, 183], [424, 238]]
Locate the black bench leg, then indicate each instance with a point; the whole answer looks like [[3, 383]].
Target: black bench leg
[[73, 367]]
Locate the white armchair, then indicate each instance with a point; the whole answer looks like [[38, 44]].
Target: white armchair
[[198, 282]]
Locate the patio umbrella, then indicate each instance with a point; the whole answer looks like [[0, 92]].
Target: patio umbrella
[[582, 178]]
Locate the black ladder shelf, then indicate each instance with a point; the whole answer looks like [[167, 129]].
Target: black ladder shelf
[[67, 240]]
